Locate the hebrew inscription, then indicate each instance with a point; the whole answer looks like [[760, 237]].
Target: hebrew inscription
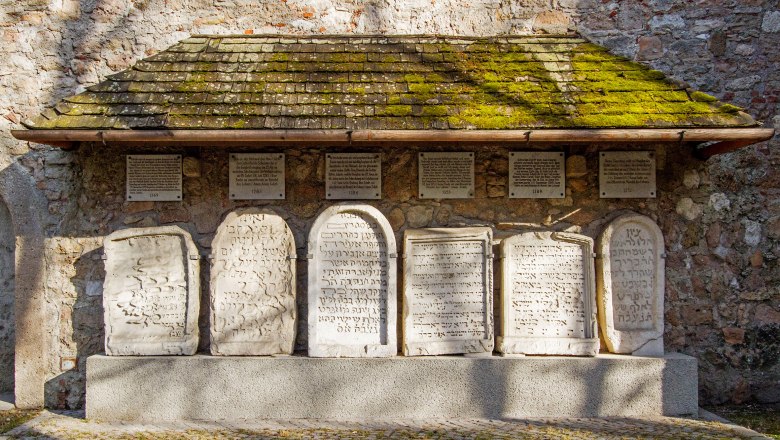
[[352, 284], [548, 298], [446, 175], [448, 290], [153, 177], [353, 176], [253, 285], [151, 292], [627, 174], [536, 175], [254, 176], [630, 281]]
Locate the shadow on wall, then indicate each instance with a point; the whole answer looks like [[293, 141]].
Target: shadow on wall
[[66, 391], [6, 299]]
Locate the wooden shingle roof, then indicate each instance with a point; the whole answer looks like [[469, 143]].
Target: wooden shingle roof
[[386, 83]]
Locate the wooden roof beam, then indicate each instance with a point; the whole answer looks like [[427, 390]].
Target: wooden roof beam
[[727, 139]]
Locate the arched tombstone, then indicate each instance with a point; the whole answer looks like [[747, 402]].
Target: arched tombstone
[[151, 292], [548, 300], [352, 283], [630, 285], [253, 285], [7, 242]]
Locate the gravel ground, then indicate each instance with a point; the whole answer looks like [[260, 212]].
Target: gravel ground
[[66, 425]]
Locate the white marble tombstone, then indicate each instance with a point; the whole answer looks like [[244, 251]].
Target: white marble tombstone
[[548, 295], [630, 285], [352, 283], [253, 285], [151, 293], [448, 291]]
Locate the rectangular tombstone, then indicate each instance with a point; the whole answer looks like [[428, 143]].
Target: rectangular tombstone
[[536, 175], [548, 300], [446, 175], [627, 174], [352, 283], [353, 176], [630, 285], [448, 291], [151, 293], [253, 285]]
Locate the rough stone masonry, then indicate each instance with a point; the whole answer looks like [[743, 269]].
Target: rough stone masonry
[[720, 218]]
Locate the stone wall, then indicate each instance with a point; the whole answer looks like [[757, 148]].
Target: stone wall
[[6, 300], [721, 218]]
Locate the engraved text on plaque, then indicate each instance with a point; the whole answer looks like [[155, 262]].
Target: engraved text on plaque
[[353, 176], [446, 175], [256, 176], [536, 175], [153, 177], [627, 174]]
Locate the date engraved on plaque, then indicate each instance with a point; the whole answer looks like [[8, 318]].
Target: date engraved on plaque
[[353, 176], [153, 177], [536, 175], [255, 176], [446, 175], [627, 174]]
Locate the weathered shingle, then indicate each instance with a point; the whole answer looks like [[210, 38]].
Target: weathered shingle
[[363, 82]]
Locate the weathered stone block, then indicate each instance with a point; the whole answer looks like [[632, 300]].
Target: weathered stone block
[[253, 285], [151, 293]]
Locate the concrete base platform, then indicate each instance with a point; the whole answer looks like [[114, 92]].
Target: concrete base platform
[[155, 388]]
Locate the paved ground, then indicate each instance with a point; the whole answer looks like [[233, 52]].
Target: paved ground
[[71, 425]]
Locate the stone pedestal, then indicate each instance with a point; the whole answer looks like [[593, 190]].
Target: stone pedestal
[[154, 389]]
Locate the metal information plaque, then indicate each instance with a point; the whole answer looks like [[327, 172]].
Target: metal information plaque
[[353, 176], [627, 174], [153, 177], [536, 175], [446, 175], [256, 176]]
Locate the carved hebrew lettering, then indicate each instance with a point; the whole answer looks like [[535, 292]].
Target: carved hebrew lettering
[[352, 279], [630, 281], [548, 298], [448, 305], [253, 285], [151, 292]]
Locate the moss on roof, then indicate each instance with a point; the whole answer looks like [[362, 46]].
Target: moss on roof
[[360, 82]]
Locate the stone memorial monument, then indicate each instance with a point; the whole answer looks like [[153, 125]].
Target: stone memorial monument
[[448, 291], [253, 285], [151, 292], [548, 295], [630, 285], [352, 283]]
